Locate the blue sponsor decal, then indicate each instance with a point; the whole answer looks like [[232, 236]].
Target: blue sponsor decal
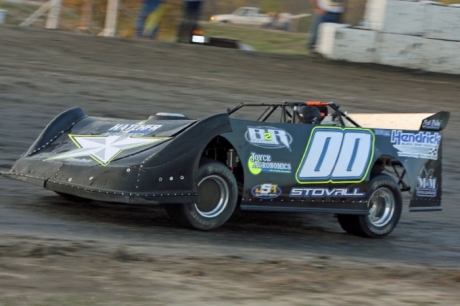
[[382, 133], [416, 145], [422, 138]]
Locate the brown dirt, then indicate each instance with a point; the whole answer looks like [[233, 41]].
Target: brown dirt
[[54, 252]]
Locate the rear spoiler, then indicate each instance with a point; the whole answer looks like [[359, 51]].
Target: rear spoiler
[[436, 122], [403, 121]]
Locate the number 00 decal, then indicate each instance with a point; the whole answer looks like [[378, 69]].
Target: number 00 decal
[[336, 155]]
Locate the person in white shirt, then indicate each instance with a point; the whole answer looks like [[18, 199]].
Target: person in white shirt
[[325, 11]]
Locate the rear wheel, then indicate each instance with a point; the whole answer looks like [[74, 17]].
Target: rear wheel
[[217, 198], [384, 205]]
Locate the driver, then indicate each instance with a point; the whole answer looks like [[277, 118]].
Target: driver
[[309, 115]]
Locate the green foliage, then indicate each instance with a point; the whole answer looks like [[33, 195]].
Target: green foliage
[[271, 6], [229, 6], [260, 39]]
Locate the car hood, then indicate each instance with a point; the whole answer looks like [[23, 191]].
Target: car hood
[[74, 138]]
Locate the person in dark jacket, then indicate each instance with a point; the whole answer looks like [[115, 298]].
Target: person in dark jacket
[[189, 23]]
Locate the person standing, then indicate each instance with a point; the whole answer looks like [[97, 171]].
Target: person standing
[[325, 11], [149, 18], [189, 23]]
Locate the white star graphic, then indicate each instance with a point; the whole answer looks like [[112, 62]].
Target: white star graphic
[[104, 149]]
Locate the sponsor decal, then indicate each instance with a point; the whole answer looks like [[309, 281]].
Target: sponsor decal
[[433, 124], [104, 149], [133, 129], [427, 186], [382, 132], [326, 193], [417, 145], [266, 191], [268, 137], [258, 163], [336, 155]]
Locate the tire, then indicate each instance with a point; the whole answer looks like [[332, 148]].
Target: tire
[[385, 207], [217, 198]]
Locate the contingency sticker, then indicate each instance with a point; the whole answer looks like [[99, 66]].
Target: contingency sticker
[[268, 137], [427, 185], [258, 163], [417, 145], [133, 129], [266, 191]]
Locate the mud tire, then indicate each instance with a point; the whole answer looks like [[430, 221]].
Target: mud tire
[[217, 198], [385, 207]]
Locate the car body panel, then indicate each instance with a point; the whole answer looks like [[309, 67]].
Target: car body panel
[[281, 166]]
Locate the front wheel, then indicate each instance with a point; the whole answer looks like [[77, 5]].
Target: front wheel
[[217, 198], [384, 205]]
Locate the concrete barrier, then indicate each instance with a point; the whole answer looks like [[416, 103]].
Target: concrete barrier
[[400, 50], [442, 56], [395, 16], [443, 22], [403, 33], [343, 43]]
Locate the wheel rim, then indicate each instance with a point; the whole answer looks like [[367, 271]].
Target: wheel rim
[[381, 207], [213, 196]]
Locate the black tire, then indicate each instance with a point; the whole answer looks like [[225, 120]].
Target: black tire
[[217, 198], [385, 207]]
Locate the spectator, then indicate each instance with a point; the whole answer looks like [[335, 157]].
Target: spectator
[[149, 17], [189, 23], [325, 11]]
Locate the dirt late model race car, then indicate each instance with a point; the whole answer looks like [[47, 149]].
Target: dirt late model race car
[[298, 157]]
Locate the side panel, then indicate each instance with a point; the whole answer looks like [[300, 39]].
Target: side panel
[[298, 167]]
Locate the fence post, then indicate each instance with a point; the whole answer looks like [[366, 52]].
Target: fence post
[[111, 19], [52, 22]]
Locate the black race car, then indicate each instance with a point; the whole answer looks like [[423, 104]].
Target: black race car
[[296, 157]]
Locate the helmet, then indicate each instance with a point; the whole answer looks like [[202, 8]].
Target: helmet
[[310, 115]]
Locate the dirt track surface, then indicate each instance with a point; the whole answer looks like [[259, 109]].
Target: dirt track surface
[[55, 252]]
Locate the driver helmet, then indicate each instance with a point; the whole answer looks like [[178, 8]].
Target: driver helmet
[[309, 115]]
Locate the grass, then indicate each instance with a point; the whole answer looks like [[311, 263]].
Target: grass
[[260, 39]]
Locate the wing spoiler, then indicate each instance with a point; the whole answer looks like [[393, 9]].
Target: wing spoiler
[[406, 121]]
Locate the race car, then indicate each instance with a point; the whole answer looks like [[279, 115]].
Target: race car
[[299, 157]]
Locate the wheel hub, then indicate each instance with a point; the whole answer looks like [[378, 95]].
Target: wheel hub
[[213, 196], [381, 207]]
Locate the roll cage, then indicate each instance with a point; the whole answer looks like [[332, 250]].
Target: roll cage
[[289, 113]]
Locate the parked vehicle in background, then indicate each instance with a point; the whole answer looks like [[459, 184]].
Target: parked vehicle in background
[[250, 16]]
